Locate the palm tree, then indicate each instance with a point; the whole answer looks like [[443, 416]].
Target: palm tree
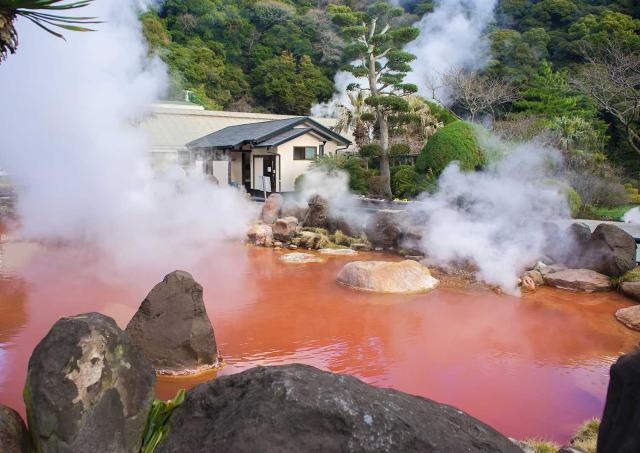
[[354, 118], [37, 11]]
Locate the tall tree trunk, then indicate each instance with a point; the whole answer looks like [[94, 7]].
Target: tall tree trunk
[[385, 171], [383, 124]]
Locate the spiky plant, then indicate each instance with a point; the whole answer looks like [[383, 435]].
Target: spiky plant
[[38, 12]]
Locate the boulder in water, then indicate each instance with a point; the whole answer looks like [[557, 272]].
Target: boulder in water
[[14, 437], [631, 289], [284, 229], [261, 234], [384, 228], [630, 317], [579, 280], [611, 251], [88, 389], [318, 213], [172, 328], [338, 252], [272, 208], [298, 408], [388, 277], [620, 427]]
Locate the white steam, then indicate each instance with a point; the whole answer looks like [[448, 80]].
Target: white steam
[[493, 219], [71, 144], [451, 37]]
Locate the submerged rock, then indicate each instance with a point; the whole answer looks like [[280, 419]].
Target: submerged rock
[[388, 277], [284, 229], [579, 280], [261, 235], [300, 258], [298, 408], [338, 252], [631, 289], [318, 213], [620, 427], [272, 208], [630, 317], [89, 388], [172, 328], [14, 437]]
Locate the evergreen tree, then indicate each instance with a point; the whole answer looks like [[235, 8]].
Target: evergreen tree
[[375, 45]]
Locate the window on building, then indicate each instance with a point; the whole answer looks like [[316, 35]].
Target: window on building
[[305, 152]]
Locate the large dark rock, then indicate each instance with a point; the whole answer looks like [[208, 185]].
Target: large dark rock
[[14, 437], [318, 213], [298, 408], [172, 328], [88, 388], [620, 427], [384, 228], [609, 250]]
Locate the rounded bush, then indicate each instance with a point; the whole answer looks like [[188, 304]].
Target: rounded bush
[[455, 142], [399, 148]]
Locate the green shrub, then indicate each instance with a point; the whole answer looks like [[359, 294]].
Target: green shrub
[[441, 113], [455, 142], [573, 198], [157, 426], [404, 181], [542, 446], [399, 149], [297, 184], [351, 164], [370, 150], [632, 191]]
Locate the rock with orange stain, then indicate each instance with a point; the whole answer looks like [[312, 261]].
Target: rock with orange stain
[[388, 277], [261, 235], [284, 229], [272, 208], [630, 317], [579, 280]]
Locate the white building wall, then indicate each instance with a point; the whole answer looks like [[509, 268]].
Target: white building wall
[[291, 168]]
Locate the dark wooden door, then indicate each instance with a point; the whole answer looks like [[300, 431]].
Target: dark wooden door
[[269, 169]]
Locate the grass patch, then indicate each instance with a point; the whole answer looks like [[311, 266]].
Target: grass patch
[[587, 436], [615, 213], [542, 446], [631, 276], [157, 426]]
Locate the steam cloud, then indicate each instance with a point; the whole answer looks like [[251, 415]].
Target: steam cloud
[[71, 144], [451, 37], [493, 219]]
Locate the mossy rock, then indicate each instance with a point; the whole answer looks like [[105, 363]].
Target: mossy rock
[[456, 142]]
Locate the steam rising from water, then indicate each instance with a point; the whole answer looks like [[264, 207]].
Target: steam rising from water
[[70, 141], [495, 218]]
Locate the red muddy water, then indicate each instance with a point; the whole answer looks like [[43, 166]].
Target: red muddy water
[[531, 367]]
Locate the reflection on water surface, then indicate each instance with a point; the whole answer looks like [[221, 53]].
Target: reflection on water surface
[[531, 367]]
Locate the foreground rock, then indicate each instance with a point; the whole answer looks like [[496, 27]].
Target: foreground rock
[[388, 277], [89, 388], [260, 234], [272, 208], [631, 289], [579, 280], [620, 427], [300, 258], [630, 317], [14, 437], [298, 408], [284, 229], [172, 328]]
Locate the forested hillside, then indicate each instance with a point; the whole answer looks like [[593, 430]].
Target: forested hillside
[[281, 56]]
